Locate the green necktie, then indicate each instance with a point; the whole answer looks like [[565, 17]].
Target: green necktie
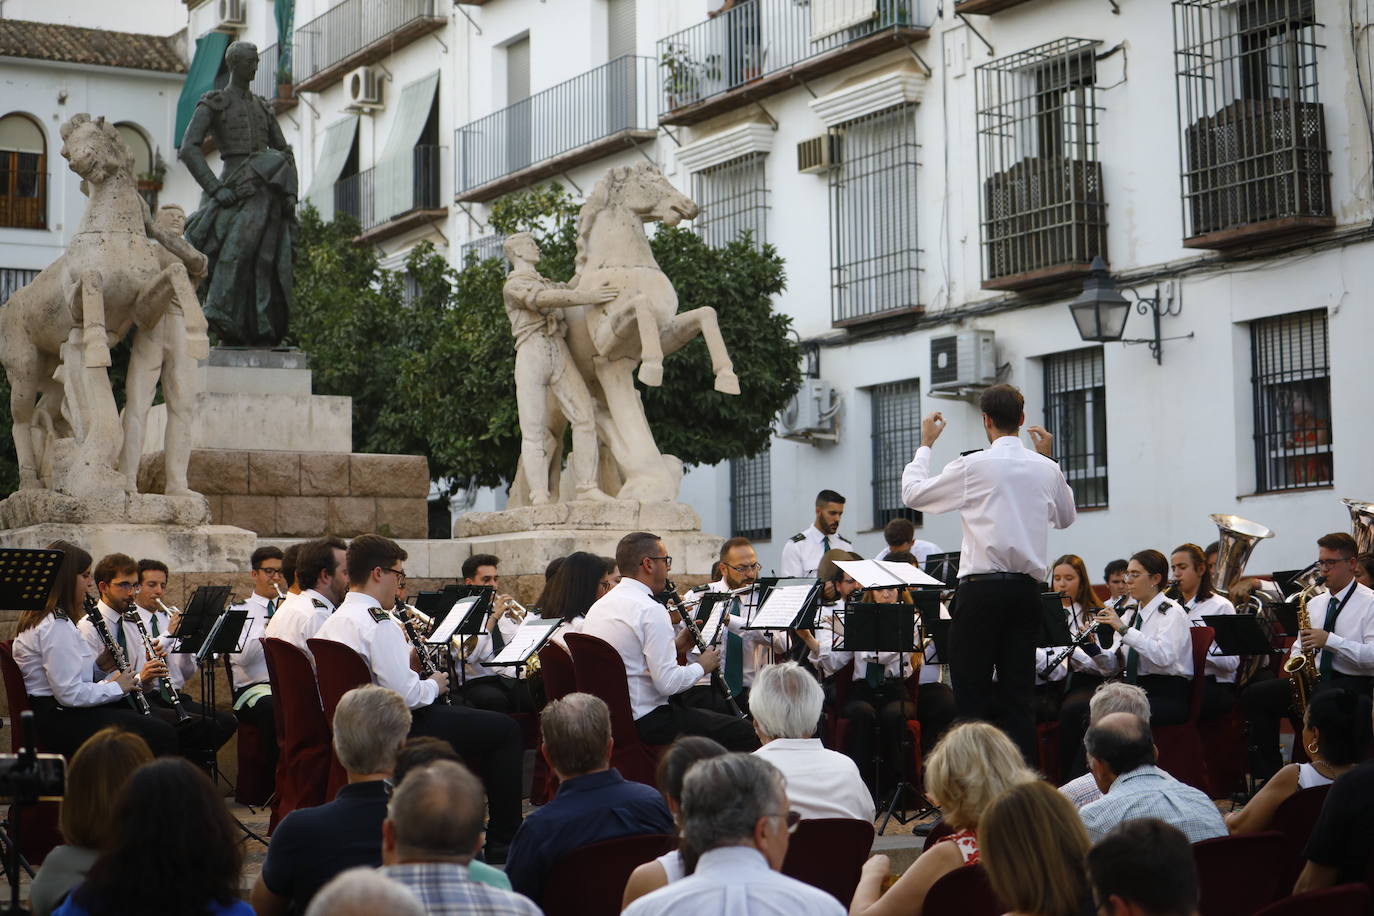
[[873, 673], [825, 544], [124, 647], [271, 608], [1132, 656], [1333, 610], [734, 654]]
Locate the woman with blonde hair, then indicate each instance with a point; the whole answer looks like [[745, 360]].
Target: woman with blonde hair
[[1034, 848], [973, 764], [97, 773]]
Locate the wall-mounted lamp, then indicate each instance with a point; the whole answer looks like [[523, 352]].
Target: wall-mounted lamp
[[1100, 311]]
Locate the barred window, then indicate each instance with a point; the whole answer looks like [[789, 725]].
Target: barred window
[[873, 217], [487, 246], [896, 435], [733, 198], [751, 497], [1076, 415], [13, 278], [1292, 389]]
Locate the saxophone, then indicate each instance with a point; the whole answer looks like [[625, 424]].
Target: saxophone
[[1302, 668]]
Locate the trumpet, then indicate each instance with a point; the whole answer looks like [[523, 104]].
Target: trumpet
[[409, 618], [511, 608], [165, 682], [423, 621]]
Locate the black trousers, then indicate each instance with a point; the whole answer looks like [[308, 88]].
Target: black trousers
[[1170, 698], [1268, 700], [499, 694], [199, 737], [261, 716], [706, 696], [493, 743], [1218, 699], [1073, 723], [994, 629], [935, 711], [877, 717], [664, 724], [63, 729]]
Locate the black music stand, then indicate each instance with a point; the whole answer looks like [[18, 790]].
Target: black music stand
[[27, 578], [548, 626], [205, 607], [1238, 634], [944, 566], [932, 624], [804, 619], [473, 603], [884, 628], [1286, 613]]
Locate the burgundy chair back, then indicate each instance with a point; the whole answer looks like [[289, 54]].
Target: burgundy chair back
[[1341, 900], [1238, 874], [17, 695], [338, 669], [302, 732], [38, 830], [599, 671], [829, 853], [1181, 751], [559, 680], [1203, 637], [592, 879], [963, 892], [254, 784], [1295, 818]]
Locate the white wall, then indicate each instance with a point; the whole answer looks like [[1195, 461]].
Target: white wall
[[148, 17]]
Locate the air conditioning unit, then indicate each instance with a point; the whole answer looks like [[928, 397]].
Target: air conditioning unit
[[364, 87], [232, 16], [811, 414], [962, 361], [819, 154]]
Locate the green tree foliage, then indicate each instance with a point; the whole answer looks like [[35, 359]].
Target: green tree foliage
[[434, 375]]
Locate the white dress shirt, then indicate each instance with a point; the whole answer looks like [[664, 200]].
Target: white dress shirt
[[755, 641], [820, 782], [1163, 640], [382, 645], [1352, 641], [250, 666], [919, 549], [1222, 667], [736, 881], [801, 555], [1101, 665], [1008, 497], [638, 628], [133, 649], [57, 662], [299, 618]]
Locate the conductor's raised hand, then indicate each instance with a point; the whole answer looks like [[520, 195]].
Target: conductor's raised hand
[[1042, 440], [931, 427]]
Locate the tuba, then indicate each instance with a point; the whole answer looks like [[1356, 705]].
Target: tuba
[[1361, 523], [1236, 542]]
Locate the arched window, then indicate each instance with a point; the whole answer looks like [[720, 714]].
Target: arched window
[[23, 174], [145, 164]]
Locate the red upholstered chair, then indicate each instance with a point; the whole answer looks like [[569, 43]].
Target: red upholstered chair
[[1223, 741], [559, 680], [255, 782], [1180, 746], [302, 732], [963, 892], [1341, 900], [38, 830], [1238, 874], [599, 671], [338, 669], [829, 853], [1295, 818], [592, 879]]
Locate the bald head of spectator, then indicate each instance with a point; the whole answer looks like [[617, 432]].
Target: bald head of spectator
[[1117, 744], [435, 815], [364, 892]]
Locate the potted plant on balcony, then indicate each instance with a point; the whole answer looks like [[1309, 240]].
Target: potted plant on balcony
[[285, 88], [683, 82]]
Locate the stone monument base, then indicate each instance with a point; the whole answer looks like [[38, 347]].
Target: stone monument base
[[184, 548]]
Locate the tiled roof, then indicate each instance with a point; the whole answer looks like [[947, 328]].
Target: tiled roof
[[72, 44]]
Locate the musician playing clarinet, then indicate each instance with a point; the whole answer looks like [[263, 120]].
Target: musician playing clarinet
[[744, 652]]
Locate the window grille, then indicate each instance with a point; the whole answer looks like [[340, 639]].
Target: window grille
[[896, 435], [13, 278], [1253, 131], [733, 198], [751, 497], [873, 217], [1292, 390], [1076, 415], [487, 246], [1043, 203]]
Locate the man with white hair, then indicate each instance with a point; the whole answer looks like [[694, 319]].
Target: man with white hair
[[364, 892], [1113, 696], [820, 782], [735, 815]]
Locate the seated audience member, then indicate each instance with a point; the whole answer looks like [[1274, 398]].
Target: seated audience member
[[98, 772], [820, 782], [312, 845], [1113, 696], [176, 850], [1334, 734], [365, 892], [1143, 867], [972, 765], [1033, 845], [735, 817], [432, 831], [1121, 757], [672, 770], [1342, 842], [594, 802]]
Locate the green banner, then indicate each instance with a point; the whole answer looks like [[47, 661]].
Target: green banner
[[200, 78]]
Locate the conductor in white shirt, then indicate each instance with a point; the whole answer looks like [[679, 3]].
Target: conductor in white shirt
[[1008, 497], [637, 627]]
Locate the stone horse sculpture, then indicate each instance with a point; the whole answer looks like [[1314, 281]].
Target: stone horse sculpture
[[636, 330], [56, 333]]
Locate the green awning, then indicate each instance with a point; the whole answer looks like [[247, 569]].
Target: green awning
[[395, 181], [285, 13], [200, 78], [334, 150]]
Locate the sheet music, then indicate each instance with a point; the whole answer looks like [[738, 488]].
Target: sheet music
[[885, 574], [781, 607], [524, 641], [710, 630], [456, 614]]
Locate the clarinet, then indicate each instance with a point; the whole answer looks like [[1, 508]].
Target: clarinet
[[675, 601], [166, 680], [116, 653], [421, 650]]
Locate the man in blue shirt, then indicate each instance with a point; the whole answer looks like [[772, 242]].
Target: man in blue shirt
[[594, 802]]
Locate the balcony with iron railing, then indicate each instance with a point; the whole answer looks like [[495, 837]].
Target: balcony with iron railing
[[358, 32], [764, 47], [609, 108], [391, 198], [270, 83]]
